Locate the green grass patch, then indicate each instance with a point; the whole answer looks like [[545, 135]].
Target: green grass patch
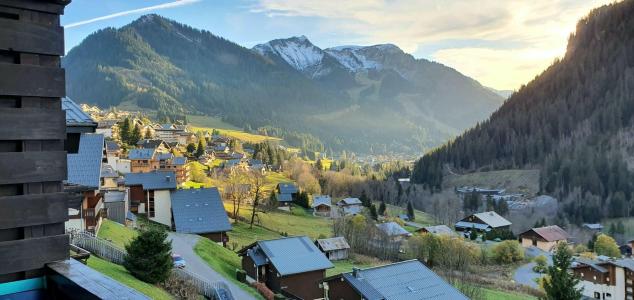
[[241, 235], [116, 233], [238, 134], [420, 217], [224, 261], [490, 294], [120, 274], [346, 265]]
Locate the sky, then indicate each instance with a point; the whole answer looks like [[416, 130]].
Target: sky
[[502, 44]]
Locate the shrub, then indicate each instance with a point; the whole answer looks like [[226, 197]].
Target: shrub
[[180, 288], [264, 290], [605, 245], [541, 264], [149, 256], [241, 275], [507, 252]]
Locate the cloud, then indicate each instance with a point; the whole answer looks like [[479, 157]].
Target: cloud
[[537, 30], [133, 11]]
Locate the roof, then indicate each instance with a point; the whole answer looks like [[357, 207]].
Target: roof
[[440, 230], [404, 217], [112, 146], [164, 156], [349, 201], [392, 229], [152, 180], [351, 210], [406, 280], [114, 196], [294, 255], [469, 225], [151, 143], [493, 219], [141, 153], [107, 171], [257, 256], [179, 160], [287, 188], [284, 197], [84, 167], [74, 115], [627, 263], [593, 226], [583, 262], [549, 233], [321, 200], [130, 216], [331, 244], [199, 211]]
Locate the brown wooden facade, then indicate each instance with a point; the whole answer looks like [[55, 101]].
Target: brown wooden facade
[[340, 289], [32, 132]]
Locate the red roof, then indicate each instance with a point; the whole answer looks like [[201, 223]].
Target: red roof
[[551, 233]]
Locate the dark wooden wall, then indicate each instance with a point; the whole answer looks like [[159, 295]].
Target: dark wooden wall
[[33, 208]]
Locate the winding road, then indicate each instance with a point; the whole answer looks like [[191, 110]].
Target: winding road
[[183, 245]]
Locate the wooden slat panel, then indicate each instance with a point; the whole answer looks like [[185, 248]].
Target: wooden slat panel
[[22, 167], [28, 37], [37, 209], [32, 124], [52, 6], [29, 254], [27, 80]]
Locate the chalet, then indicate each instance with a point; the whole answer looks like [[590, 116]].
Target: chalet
[[350, 206], [334, 248], [393, 231], [170, 133], [150, 195], [484, 221], [200, 211], [292, 266], [322, 205], [112, 149], [116, 205], [465, 190], [109, 178], [286, 193], [408, 279], [84, 181], [605, 279], [626, 249], [143, 160], [544, 238], [113, 158], [34, 247], [176, 164], [593, 227], [159, 145], [438, 230]]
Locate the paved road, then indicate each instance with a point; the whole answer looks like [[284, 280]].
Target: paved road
[[183, 244], [525, 274]]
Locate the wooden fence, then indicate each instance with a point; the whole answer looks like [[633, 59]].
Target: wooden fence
[[110, 252]]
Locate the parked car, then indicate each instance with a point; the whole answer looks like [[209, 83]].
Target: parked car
[[179, 262]]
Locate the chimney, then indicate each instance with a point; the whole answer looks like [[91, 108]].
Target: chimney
[[355, 272]]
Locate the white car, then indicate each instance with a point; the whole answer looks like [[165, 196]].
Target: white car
[[179, 262]]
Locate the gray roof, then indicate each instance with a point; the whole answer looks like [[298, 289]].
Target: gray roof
[[107, 171], [294, 255], [199, 211], [112, 146], [469, 225], [84, 167], [74, 115], [352, 210], [349, 201], [165, 156], [321, 200], [392, 229], [331, 244], [152, 180], [407, 280], [141, 153], [287, 188], [284, 197], [114, 196], [130, 216], [627, 263], [151, 143], [593, 226], [440, 230], [179, 160], [493, 219]]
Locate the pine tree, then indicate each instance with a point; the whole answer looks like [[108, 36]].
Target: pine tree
[[135, 137], [382, 208], [410, 211], [365, 201], [373, 212], [148, 134], [124, 131], [318, 165], [200, 150], [149, 256], [560, 284]]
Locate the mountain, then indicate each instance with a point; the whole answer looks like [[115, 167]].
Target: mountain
[[374, 99], [575, 122]]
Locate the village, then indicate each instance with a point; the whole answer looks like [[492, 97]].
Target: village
[[251, 213]]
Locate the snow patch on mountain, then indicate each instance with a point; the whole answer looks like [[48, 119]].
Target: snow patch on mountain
[[352, 58], [297, 52]]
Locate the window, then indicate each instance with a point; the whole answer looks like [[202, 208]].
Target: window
[[608, 295], [597, 295]]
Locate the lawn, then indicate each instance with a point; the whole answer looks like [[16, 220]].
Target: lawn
[[116, 233], [224, 261], [346, 265], [208, 121], [490, 294], [241, 235], [120, 274], [238, 134], [421, 217]]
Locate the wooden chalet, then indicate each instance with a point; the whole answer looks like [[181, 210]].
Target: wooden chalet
[[292, 266], [544, 238], [200, 211], [34, 248], [150, 195], [322, 205], [482, 222], [336, 248]]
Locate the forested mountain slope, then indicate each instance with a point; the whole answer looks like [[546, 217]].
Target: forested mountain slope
[[401, 105], [574, 122]]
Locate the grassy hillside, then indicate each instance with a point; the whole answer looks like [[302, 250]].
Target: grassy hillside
[[514, 181], [210, 122], [116, 233]]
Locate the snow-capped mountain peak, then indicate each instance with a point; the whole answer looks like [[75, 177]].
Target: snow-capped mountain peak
[[297, 51]]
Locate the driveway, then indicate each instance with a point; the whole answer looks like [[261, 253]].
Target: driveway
[[524, 274], [183, 244]]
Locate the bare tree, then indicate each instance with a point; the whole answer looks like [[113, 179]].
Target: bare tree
[[257, 183], [237, 189]]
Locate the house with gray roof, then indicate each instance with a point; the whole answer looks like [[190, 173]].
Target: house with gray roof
[[484, 221], [322, 205], [292, 266], [200, 211], [350, 206], [393, 231], [438, 230], [150, 194], [335, 248], [406, 280], [286, 193], [604, 277]]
